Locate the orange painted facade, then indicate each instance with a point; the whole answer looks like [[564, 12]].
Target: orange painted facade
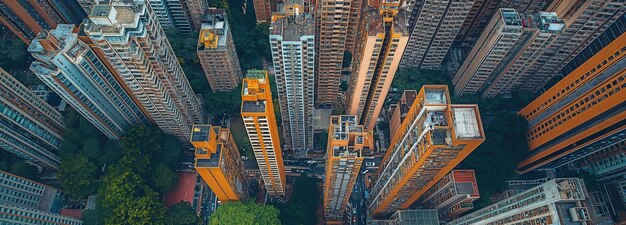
[[344, 156], [218, 162], [434, 137], [257, 112], [584, 107]]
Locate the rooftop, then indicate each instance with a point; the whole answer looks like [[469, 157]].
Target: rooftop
[[466, 122], [200, 133], [375, 21], [256, 106], [293, 28], [214, 161]]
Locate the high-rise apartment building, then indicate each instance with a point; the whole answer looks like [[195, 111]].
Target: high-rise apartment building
[[398, 111], [411, 217], [332, 20], [257, 111], [434, 137], [584, 22], [385, 39], [16, 214], [23, 192], [74, 71], [87, 5], [293, 54], [217, 53], [27, 18], [452, 195], [218, 162], [581, 114], [30, 127], [356, 24], [179, 13], [195, 10], [263, 10], [476, 20], [159, 7], [146, 64], [556, 200], [433, 29], [510, 43], [347, 141]]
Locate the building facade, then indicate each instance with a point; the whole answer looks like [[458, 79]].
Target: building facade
[[549, 203], [161, 12], [27, 18], [218, 162], [584, 22], [180, 15], [452, 195], [510, 43], [16, 214], [195, 11], [347, 141], [398, 111], [433, 29], [332, 18], [216, 52], [23, 192], [293, 54], [581, 114], [139, 51], [75, 72], [411, 217], [257, 111], [434, 137], [263, 10], [384, 39], [30, 128]]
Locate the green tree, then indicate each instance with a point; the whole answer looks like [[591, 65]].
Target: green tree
[[128, 200], [111, 152], [140, 144], [495, 160], [162, 178], [181, 214], [248, 213], [5, 166], [414, 79], [93, 216], [23, 169], [303, 204], [91, 148], [170, 150], [76, 175]]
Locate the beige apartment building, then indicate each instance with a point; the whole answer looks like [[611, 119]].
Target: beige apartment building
[[217, 53], [263, 10], [584, 20], [510, 44], [333, 34], [433, 30], [385, 39], [497, 41]]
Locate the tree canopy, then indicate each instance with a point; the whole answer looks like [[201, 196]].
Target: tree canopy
[[129, 200], [303, 204], [77, 176], [181, 214], [244, 213]]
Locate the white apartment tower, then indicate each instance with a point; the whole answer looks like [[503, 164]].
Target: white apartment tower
[[134, 43], [293, 53]]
